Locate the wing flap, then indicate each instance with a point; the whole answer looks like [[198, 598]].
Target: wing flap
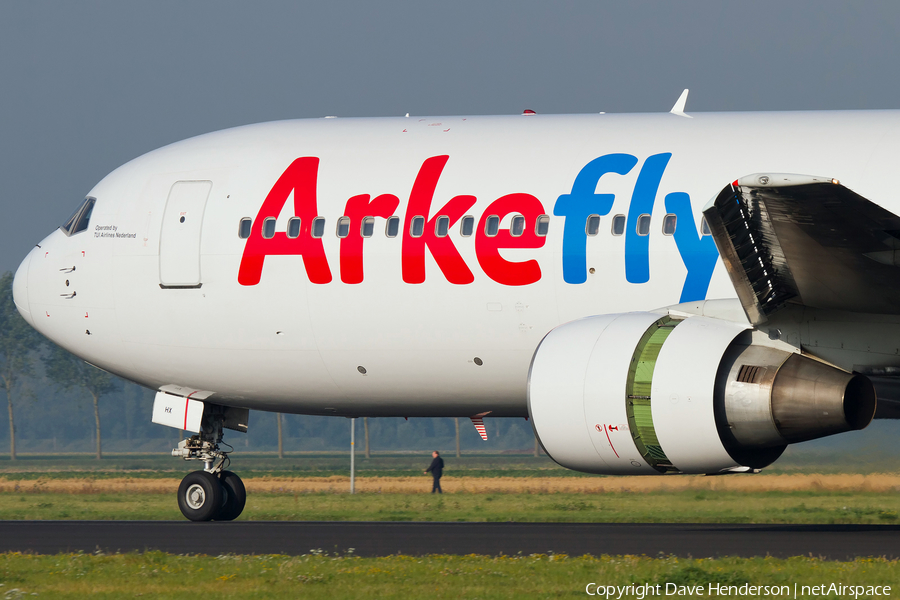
[[806, 240]]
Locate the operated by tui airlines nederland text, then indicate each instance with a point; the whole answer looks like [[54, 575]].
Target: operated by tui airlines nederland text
[[657, 293]]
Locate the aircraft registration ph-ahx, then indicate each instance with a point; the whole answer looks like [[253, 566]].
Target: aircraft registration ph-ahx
[[657, 293]]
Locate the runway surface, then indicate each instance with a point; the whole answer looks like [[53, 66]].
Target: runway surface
[[834, 542]]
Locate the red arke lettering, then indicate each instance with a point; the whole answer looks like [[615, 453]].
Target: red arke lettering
[[357, 209], [487, 249], [442, 249], [300, 177]]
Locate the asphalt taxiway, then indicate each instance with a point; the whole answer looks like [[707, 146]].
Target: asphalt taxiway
[[833, 542]]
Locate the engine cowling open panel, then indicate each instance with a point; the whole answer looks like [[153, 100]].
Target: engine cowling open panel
[[683, 393], [605, 403]]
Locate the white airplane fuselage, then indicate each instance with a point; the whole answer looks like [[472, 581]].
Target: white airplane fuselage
[[412, 326]]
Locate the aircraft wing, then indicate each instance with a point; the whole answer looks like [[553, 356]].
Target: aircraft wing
[[806, 240]]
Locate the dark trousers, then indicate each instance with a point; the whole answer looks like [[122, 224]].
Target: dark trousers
[[436, 487]]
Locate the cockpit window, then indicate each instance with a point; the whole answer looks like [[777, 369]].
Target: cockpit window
[[79, 220]]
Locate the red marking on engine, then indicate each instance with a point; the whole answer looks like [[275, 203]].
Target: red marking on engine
[[610, 442]]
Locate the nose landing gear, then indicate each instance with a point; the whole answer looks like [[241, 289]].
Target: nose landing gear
[[235, 497], [213, 494], [203, 496], [200, 496]]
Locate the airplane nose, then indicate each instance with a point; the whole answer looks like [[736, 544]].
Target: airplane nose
[[20, 289]]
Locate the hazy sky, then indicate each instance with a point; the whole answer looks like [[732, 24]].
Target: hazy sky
[[87, 86]]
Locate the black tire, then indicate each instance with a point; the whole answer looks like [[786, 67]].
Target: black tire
[[200, 496], [235, 496]]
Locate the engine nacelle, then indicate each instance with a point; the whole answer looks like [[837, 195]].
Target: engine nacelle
[[641, 393]]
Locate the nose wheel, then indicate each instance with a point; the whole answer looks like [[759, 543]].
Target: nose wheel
[[200, 496], [235, 497], [203, 496], [213, 494]]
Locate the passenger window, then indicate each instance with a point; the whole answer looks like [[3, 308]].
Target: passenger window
[[542, 226], [669, 222], [704, 227], [592, 227], [343, 227], [269, 228], [492, 226], [293, 228], [467, 226], [244, 228], [643, 225], [368, 227], [79, 220], [618, 225], [318, 227], [392, 228], [417, 227], [442, 227], [517, 227]]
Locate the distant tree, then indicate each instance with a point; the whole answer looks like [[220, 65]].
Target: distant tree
[[68, 372], [366, 429], [18, 345], [280, 436]]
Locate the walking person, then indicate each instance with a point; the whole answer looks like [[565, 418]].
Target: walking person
[[436, 469]]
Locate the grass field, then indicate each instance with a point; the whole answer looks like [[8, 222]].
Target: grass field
[[317, 575], [478, 488], [307, 464], [736, 499], [392, 488], [395, 464]]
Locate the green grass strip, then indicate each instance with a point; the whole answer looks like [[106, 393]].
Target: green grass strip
[[807, 507], [318, 575]]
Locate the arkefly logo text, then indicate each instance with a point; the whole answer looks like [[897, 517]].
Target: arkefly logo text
[[424, 228]]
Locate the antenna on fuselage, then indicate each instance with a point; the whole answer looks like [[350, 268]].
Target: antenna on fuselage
[[678, 109]]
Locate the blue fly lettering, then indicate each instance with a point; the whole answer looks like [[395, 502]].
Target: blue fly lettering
[[583, 202], [698, 252], [637, 247]]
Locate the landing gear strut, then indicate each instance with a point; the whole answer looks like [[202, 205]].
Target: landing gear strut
[[213, 494]]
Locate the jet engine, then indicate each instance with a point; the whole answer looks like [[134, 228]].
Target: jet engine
[[643, 393]]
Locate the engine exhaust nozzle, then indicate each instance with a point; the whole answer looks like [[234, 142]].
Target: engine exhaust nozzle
[[771, 398], [812, 400]]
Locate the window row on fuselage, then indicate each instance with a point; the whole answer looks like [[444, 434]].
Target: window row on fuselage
[[466, 228]]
